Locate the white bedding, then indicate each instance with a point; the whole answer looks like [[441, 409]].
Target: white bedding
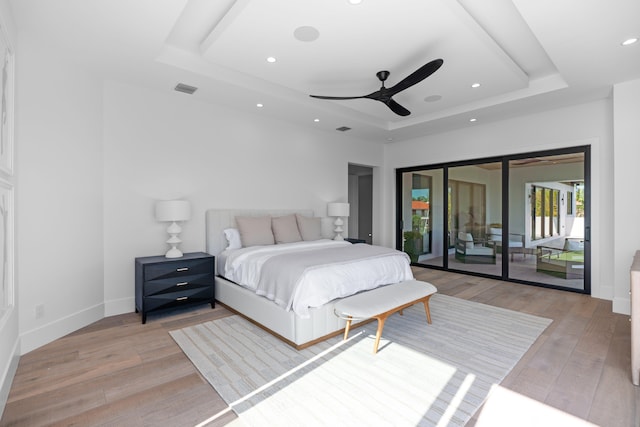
[[318, 284]]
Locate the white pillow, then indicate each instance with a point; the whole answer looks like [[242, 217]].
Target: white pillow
[[469, 241], [255, 230], [285, 229], [310, 227], [495, 234], [233, 238], [467, 238]]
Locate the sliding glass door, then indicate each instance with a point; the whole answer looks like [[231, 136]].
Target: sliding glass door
[[474, 209], [548, 209], [522, 218], [422, 225]]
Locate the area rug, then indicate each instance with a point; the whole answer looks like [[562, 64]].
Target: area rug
[[422, 375]]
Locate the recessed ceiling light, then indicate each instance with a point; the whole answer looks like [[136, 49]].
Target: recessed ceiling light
[[630, 41], [473, 120], [354, 2], [259, 105], [316, 120], [271, 59], [475, 85]]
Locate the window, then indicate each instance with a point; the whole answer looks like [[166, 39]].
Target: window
[[569, 202], [545, 213]]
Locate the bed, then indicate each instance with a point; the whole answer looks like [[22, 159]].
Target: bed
[[292, 322]]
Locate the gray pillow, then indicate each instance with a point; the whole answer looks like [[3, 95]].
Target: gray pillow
[[285, 229], [255, 230], [310, 227]]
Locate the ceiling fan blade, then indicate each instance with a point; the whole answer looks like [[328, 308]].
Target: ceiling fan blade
[[416, 77], [397, 108], [336, 97]]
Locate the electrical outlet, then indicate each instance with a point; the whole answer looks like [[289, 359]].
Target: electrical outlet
[[39, 311]]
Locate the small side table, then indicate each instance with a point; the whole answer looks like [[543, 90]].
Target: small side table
[[163, 283], [354, 240]]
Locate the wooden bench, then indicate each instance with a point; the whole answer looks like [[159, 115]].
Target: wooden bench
[[380, 303]]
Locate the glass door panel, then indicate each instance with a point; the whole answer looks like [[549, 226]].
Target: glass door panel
[[422, 216], [544, 198], [474, 216]]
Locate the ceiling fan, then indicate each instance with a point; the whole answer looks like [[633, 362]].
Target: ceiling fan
[[385, 94]]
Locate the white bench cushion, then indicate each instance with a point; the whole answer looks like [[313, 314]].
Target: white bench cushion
[[379, 300]]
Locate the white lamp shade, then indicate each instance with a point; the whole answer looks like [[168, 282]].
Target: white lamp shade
[[338, 209], [173, 210]]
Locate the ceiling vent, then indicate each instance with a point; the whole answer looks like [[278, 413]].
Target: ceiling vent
[[181, 87], [343, 128]]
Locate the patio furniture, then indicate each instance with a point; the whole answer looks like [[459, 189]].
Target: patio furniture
[[516, 241], [474, 251], [562, 263]]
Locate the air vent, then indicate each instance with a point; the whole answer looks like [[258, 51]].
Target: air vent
[[343, 128], [181, 87]]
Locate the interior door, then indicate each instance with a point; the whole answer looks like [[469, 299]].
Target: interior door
[[360, 196]]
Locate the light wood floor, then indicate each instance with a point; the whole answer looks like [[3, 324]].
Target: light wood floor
[[120, 372]]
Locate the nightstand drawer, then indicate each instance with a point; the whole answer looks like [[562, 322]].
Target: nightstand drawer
[[175, 299], [177, 284], [177, 269]]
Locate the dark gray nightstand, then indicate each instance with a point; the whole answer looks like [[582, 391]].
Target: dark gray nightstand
[[163, 283], [354, 240]]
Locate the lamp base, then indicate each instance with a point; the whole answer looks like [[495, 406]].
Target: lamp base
[[338, 230], [173, 253], [173, 230]]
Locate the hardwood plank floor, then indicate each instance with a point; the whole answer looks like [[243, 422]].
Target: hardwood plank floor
[[120, 372]]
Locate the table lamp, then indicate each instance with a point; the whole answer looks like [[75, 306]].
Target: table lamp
[[338, 210], [174, 211]]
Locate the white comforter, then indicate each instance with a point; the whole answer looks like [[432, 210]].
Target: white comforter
[[318, 283]]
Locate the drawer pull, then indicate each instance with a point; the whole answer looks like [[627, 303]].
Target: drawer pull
[[182, 283], [182, 269], [181, 298]]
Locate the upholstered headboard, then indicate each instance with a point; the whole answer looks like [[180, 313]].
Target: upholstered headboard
[[216, 220]]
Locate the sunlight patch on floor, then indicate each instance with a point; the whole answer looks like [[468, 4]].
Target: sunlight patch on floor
[[504, 408]]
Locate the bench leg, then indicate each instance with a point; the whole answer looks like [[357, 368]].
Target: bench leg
[[347, 327], [426, 308], [381, 320]]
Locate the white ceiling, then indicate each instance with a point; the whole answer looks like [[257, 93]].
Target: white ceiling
[[528, 55]]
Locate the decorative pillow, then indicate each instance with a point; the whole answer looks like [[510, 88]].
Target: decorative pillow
[[469, 240], [495, 234], [310, 227], [255, 230], [233, 238], [573, 245], [285, 229]]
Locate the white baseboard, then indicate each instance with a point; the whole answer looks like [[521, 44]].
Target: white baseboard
[[7, 377], [44, 334], [119, 306], [621, 305]]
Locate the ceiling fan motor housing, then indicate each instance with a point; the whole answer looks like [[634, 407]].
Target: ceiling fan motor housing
[[382, 75]]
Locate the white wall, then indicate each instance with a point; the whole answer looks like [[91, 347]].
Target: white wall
[[626, 114], [585, 124], [165, 145], [59, 205], [9, 327]]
